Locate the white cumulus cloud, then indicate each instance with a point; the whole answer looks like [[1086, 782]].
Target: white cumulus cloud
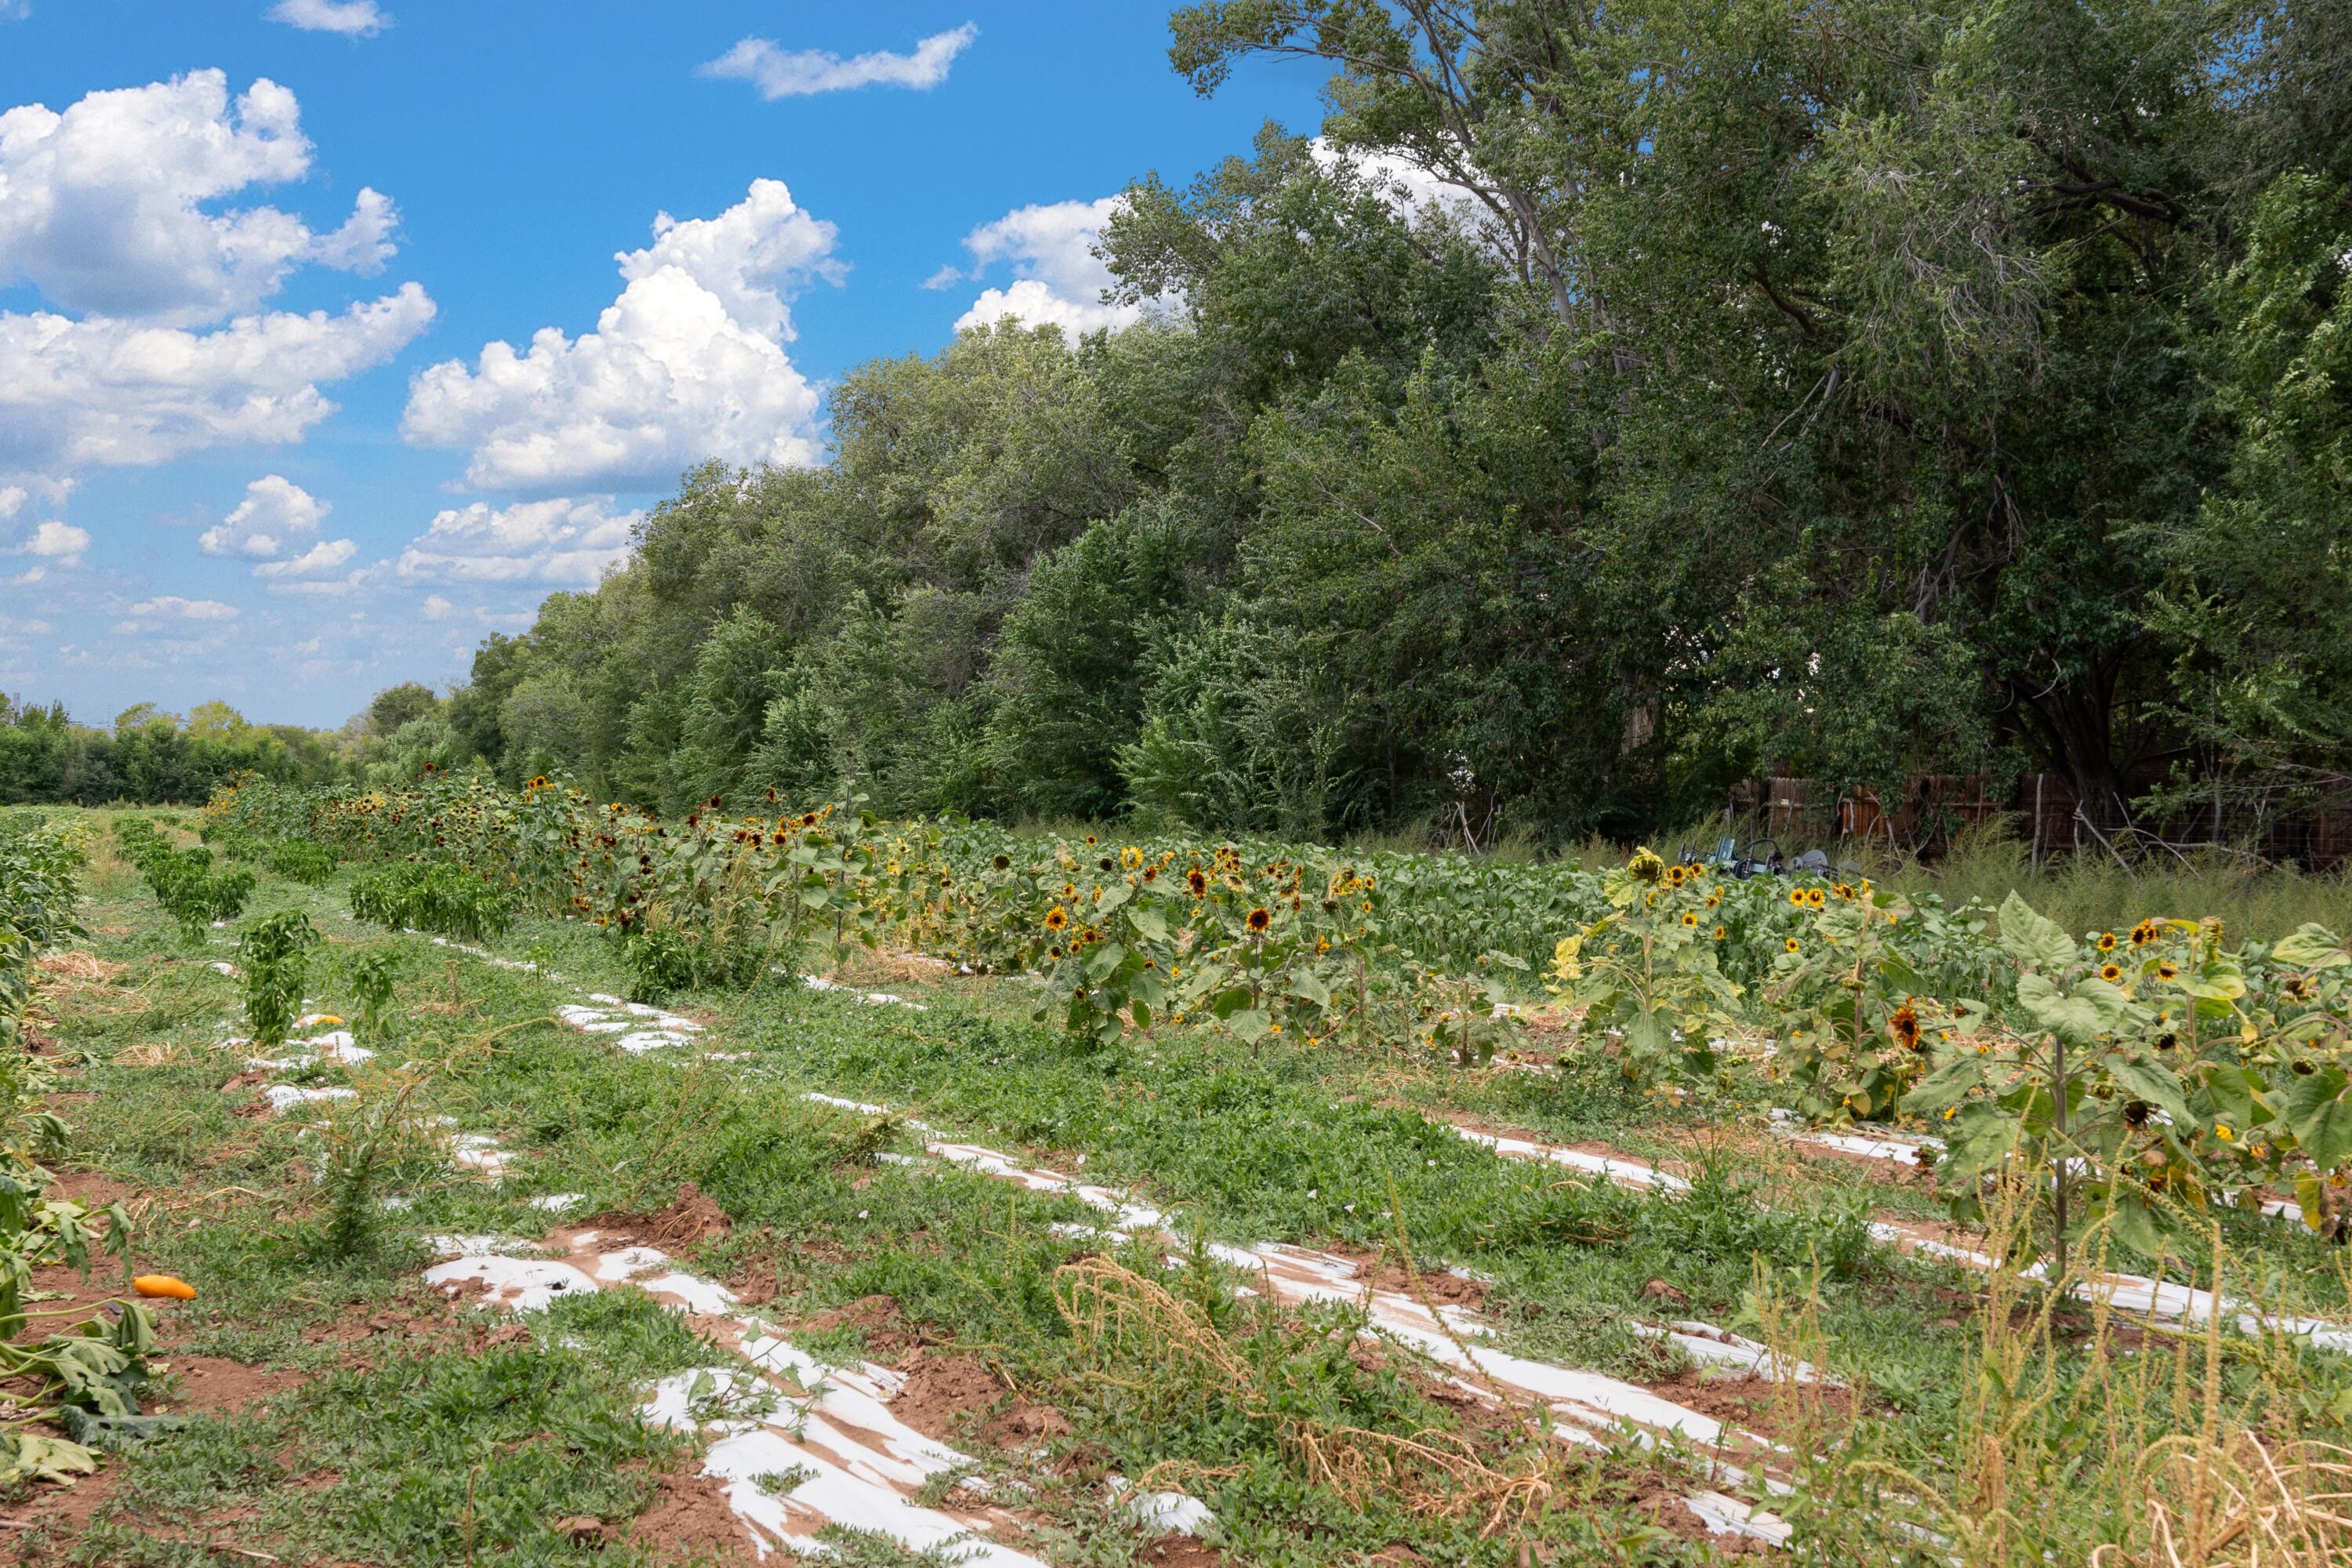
[[153, 338], [561, 541], [687, 363], [274, 509], [745, 256], [103, 391], [53, 540], [354, 18], [321, 558], [116, 207], [1057, 278], [172, 606], [779, 72]]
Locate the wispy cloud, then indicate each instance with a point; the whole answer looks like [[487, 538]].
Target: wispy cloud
[[779, 72], [352, 19]]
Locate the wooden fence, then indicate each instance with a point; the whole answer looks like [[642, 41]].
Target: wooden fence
[[2039, 809]]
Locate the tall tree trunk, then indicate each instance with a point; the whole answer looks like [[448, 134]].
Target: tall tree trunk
[[2078, 719]]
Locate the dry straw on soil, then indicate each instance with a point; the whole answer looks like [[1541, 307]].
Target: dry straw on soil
[[1153, 1345]]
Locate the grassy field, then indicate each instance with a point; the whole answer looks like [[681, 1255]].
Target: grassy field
[[1472, 1391]]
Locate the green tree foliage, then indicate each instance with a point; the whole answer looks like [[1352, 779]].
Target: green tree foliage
[[1615, 403], [148, 757]]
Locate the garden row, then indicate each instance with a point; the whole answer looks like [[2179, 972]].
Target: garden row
[[84, 1379], [2152, 1072]]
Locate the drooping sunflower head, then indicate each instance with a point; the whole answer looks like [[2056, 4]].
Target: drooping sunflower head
[[1002, 862], [1056, 917], [1644, 867], [1258, 921]]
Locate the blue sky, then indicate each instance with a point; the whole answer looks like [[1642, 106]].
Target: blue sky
[[252, 253]]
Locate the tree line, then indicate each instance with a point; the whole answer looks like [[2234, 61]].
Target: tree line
[[1846, 388], [153, 758]]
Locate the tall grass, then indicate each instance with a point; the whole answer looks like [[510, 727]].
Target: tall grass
[[2094, 893], [2082, 1436]]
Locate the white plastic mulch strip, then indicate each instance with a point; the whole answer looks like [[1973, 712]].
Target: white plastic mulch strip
[[1591, 1405], [879, 998], [1624, 1173], [285, 1096], [335, 1046], [781, 1413], [2123, 1292], [635, 1028], [1908, 1150]]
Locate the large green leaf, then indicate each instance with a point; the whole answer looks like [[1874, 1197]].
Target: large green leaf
[[2311, 946], [2034, 939], [2320, 1118], [2136, 1224], [2077, 1019], [2155, 1083]]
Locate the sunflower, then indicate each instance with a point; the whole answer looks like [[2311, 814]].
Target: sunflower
[[1718, 933], [1815, 897], [1797, 897], [1258, 920], [1904, 1024], [1674, 875], [1790, 944], [2144, 933], [1645, 866], [1056, 917], [1130, 856], [2111, 973], [1197, 880], [2106, 942], [1689, 919], [2167, 970], [1842, 889], [1714, 900], [1002, 862], [1151, 873]]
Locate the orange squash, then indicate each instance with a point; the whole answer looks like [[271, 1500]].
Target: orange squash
[[164, 1285]]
